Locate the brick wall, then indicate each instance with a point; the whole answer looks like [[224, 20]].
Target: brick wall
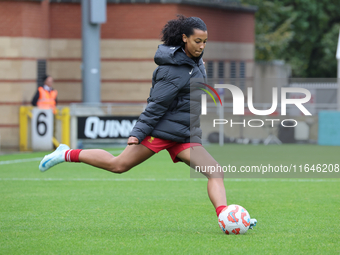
[[65, 21], [24, 19], [137, 21], [145, 21]]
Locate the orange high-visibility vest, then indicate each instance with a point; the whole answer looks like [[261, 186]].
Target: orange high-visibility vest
[[47, 99]]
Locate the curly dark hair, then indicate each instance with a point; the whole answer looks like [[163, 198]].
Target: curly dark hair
[[174, 29]]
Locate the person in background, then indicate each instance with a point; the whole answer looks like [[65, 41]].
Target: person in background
[[46, 96]]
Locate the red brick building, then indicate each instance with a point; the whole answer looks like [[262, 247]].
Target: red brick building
[[36, 32]]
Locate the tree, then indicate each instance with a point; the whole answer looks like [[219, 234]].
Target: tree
[[304, 33]]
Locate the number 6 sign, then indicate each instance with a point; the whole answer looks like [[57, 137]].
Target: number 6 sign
[[42, 129]]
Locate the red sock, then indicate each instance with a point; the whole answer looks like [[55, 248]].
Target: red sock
[[72, 155], [219, 209]]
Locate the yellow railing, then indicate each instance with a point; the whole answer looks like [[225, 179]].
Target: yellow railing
[[62, 115], [25, 113]]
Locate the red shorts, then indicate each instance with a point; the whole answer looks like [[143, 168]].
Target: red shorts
[[158, 144]]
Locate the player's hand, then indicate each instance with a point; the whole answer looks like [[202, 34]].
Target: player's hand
[[132, 140]]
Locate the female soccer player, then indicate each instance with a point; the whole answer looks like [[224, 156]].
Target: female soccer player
[[165, 123]]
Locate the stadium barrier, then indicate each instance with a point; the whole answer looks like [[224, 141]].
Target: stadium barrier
[[61, 127], [102, 124]]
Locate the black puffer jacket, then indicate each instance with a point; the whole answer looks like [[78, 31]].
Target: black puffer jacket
[[170, 114]]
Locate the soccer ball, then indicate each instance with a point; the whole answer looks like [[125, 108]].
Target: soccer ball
[[234, 220]]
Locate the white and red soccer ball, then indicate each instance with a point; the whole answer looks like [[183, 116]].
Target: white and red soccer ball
[[234, 220]]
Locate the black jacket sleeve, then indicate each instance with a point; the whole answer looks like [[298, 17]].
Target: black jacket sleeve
[[162, 94], [35, 98]]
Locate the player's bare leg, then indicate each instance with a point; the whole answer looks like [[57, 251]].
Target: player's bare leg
[[130, 157], [198, 156], [133, 155]]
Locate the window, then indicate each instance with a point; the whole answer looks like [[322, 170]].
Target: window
[[233, 69], [242, 70], [41, 71], [221, 69], [242, 75], [210, 69]]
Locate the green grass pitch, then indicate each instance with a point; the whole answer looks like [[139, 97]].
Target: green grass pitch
[[156, 208]]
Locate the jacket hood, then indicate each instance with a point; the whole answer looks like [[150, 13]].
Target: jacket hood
[[173, 55]]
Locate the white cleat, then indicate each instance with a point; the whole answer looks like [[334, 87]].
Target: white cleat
[[56, 157], [253, 223]]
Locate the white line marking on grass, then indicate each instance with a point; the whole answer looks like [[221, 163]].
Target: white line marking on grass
[[283, 180], [9, 162], [166, 180], [15, 161], [95, 179]]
